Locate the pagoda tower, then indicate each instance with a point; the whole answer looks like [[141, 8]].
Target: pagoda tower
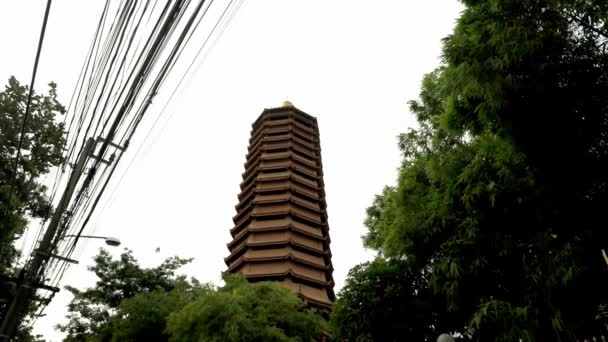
[[280, 230]]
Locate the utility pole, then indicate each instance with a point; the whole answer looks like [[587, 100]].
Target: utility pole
[[27, 287]]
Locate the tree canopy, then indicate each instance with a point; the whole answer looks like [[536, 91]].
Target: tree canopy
[[501, 193], [41, 150], [131, 303], [387, 300], [144, 316], [240, 311], [92, 311]]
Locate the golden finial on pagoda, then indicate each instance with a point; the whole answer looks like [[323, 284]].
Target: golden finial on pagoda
[[287, 104]]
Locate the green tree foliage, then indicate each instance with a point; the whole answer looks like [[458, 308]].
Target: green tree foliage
[[131, 303], [144, 316], [41, 150], [25, 334], [92, 311], [503, 187], [240, 311], [385, 300]]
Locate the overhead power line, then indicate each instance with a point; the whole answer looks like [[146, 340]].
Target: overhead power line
[[25, 116], [135, 48], [225, 18]]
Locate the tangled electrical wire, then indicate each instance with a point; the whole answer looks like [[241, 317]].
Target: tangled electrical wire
[[135, 47]]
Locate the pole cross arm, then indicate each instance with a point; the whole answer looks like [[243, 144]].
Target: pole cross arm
[[26, 290], [118, 147], [56, 256]]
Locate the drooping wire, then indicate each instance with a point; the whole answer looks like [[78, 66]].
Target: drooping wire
[[130, 106], [24, 122], [201, 49], [77, 89], [223, 19], [176, 9]]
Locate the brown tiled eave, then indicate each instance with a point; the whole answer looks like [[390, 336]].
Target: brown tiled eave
[[238, 237], [296, 167], [281, 213], [273, 156], [282, 177], [294, 200], [287, 197], [290, 188], [262, 162], [281, 147], [315, 303], [287, 275], [247, 214], [241, 243], [238, 262], [280, 134], [319, 262], [288, 175], [282, 110], [236, 254], [288, 242], [240, 234], [287, 136], [320, 283], [292, 128], [293, 117], [244, 221], [291, 120], [268, 170], [284, 156], [291, 273], [273, 153]]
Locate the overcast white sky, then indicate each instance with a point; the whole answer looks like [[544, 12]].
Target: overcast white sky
[[353, 64]]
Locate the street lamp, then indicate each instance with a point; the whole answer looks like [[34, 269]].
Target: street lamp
[[110, 241]]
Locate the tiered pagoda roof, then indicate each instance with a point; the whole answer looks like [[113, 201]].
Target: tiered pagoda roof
[[280, 230]]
